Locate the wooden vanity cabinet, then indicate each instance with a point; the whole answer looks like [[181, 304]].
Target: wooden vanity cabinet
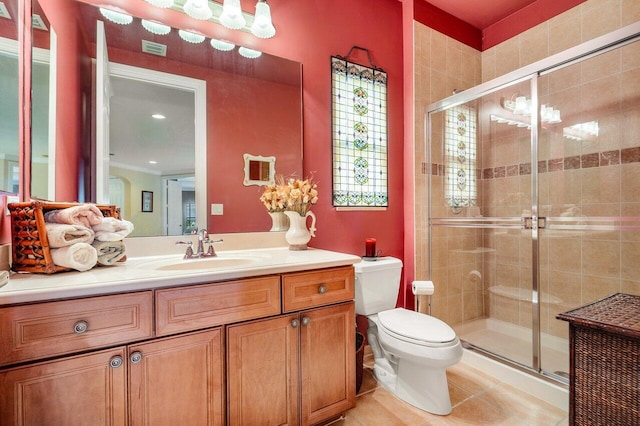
[[115, 360], [297, 368], [171, 381]]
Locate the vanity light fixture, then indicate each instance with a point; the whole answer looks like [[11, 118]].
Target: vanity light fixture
[[198, 9], [249, 53], [224, 46], [522, 106], [156, 27], [161, 3], [231, 16], [116, 17], [262, 26], [191, 37], [158, 116]]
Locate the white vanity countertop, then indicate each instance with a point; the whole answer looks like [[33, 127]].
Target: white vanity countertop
[[150, 272]]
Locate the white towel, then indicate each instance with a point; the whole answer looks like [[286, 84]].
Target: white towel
[[112, 229], [79, 256], [85, 215], [62, 234], [109, 252]]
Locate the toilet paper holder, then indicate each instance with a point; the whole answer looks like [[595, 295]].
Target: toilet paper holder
[[422, 290]]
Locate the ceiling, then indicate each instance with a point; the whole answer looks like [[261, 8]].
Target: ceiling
[[481, 13]]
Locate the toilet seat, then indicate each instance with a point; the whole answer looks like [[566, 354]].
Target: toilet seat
[[416, 328]]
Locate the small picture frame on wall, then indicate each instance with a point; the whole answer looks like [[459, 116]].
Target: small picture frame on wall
[[147, 201]]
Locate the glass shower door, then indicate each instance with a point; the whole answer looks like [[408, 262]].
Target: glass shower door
[[480, 203], [589, 190]]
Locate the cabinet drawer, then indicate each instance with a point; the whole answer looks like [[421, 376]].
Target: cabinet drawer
[[308, 289], [191, 308], [53, 328]]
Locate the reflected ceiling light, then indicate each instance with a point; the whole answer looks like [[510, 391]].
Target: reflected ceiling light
[[262, 26], [158, 116], [153, 162], [116, 17], [231, 16], [225, 46], [191, 37], [198, 9], [249, 53], [156, 27], [522, 106], [161, 3], [549, 115]]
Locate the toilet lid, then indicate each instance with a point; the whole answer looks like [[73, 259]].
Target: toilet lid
[[416, 326]]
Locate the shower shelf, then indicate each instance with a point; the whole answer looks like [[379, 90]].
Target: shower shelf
[[477, 250], [522, 294]]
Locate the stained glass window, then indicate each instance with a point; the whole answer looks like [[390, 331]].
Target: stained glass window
[[359, 101], [460, 157]]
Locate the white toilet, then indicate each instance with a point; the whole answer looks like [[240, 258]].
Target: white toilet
[[411, 350]]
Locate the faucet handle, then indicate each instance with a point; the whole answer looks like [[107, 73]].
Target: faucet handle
[[189, 253], [210, 251]]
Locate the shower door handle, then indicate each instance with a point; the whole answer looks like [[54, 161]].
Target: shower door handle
[[534, 223]]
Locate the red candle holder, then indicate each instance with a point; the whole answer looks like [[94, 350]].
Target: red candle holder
[[370, 247]]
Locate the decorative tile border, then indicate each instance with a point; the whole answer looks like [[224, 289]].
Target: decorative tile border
[[575, 162]]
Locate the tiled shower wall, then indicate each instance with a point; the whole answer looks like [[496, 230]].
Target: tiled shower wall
[[597, 178]]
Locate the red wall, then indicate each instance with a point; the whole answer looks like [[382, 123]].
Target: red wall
[[310, 32], [71, 88]]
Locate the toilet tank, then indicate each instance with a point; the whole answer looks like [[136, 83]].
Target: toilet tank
[[377, 284]]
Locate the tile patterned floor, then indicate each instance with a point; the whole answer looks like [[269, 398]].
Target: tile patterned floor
[[477, 399]]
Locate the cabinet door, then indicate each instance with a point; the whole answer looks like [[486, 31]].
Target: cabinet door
[[327, 353], [262, 372], [74, 391], [177, 381]]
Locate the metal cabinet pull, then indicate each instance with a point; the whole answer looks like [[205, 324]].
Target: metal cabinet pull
[[115, 362], [306, 321], [322, 289], [80, 327], [135, 357], [295, 323]]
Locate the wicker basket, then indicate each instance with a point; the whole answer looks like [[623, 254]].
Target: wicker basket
[[30, 250], [605, 362]]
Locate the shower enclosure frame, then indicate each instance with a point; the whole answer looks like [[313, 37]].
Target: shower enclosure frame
[[529, 73]]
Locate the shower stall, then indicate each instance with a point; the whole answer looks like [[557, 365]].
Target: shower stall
[[533, 199]]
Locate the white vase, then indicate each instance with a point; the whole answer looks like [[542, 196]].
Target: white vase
[[279, 221], [298, 234]]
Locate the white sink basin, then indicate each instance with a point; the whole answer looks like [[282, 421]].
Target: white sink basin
[[219, 262]]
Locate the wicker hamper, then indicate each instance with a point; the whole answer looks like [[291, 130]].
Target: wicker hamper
[[30, 246], [604, 339]]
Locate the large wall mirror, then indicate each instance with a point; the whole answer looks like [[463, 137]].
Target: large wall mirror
[[125, 112], [9, 143]]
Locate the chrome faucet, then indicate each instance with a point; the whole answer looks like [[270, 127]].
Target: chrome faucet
[[203, 238]]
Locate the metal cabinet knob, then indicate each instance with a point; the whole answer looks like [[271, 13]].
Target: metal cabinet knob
[[306, 321], [80, 327], [135, 357], [115, 362], [322, 289], [295, 323]]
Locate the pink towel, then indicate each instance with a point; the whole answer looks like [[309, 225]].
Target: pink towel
[[85, 215]]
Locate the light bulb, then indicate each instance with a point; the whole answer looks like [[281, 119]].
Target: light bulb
[[156, 27], [116, 17], [224, 46], [161, 3], [198, 9], [262, 26], [232, 15], [249, 53], [190, 37]]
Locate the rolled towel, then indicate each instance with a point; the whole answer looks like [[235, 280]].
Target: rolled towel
[[112, 229], [79, 256], [62, 234], [109, 252], [85, 215]]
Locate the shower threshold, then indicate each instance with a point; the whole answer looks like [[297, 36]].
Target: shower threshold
[[511, 342]]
